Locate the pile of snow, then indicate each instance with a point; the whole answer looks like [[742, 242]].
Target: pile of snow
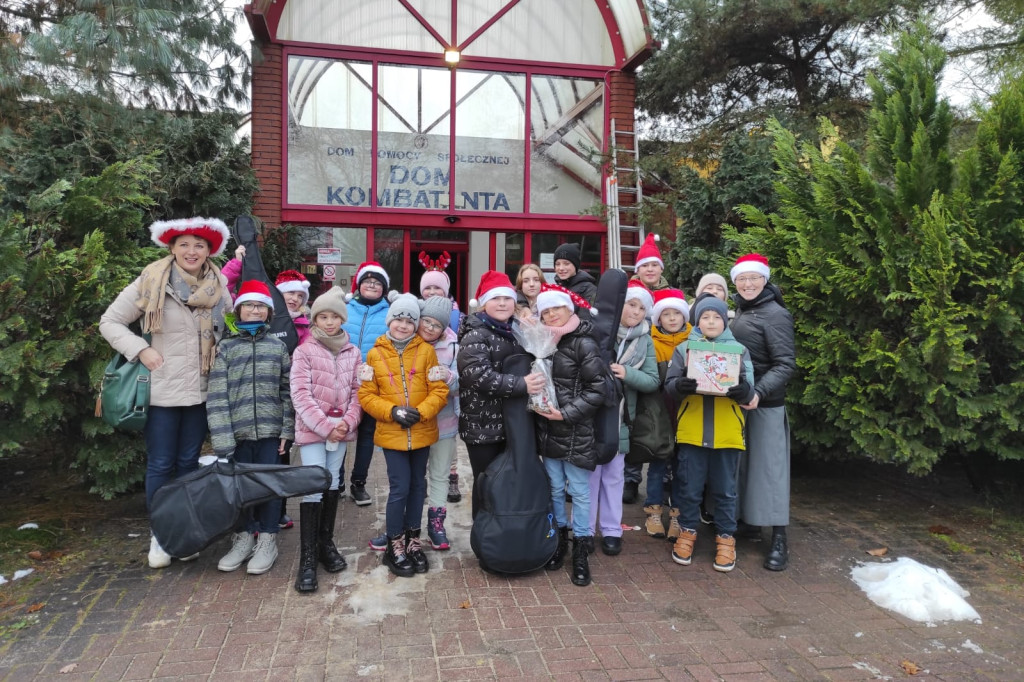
[[914, 590]]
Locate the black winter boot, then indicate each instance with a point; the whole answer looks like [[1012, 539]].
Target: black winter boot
[[556, 560], [327, 553], [778, 553], [414, 550], [580, 562], [309, 522], [396, 559]]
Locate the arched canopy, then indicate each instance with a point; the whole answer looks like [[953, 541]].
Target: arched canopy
[[596, 33]]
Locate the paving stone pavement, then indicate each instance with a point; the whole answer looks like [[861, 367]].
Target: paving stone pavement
[[643, 618]]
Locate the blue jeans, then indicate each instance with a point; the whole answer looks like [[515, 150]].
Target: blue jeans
[[264, 517], [407, 477], [720, 469], [656, 471], [364, 451], [174, 436], [559, 473], [317, 454]]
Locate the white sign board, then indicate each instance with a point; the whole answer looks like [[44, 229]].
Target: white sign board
[[329, 273], [328, 255], [547, 261]]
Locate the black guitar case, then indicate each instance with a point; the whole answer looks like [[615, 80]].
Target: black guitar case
[[281, 325], [611, 297], [514, 530]]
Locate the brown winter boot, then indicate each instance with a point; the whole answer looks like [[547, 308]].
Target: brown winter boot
[[682, 551], [725, 554], [655, 528], [674, 529]]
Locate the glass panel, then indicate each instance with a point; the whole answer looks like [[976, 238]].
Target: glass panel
[[515, 251], [413, 141], [361, 23], [329, 117], [543, 252], [562, 32], [351, 241], [567, 131], [387, 250], [490, 127]]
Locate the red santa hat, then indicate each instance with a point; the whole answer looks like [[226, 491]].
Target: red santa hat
[[255, 291], [636, 289], [492, 285], [370, 268], [214, 231], [665, 299], [649, 252], [752, 262], [554, 296], [293, 280]]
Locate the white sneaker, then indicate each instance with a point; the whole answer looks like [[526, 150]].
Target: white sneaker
[[242, 545], [158, 558], [265, 555]]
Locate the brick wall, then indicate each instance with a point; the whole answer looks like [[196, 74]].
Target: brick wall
[[267, 120]]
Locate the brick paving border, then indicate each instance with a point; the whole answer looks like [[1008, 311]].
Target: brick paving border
[[644, 618]]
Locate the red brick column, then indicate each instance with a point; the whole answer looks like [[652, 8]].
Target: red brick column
[[267, 123]]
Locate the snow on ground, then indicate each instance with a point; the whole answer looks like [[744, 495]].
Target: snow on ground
[[918, 592]]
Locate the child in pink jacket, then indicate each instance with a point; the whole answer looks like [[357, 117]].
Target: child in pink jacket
[[324, 387]]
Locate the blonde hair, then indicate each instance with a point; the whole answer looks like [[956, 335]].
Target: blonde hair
[[525, 268]]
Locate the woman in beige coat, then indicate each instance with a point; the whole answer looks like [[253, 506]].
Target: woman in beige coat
[[181, 300]]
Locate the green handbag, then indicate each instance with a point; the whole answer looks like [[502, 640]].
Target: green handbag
[[124, 397]]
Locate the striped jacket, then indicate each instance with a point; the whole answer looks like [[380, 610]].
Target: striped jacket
[[249, 397]]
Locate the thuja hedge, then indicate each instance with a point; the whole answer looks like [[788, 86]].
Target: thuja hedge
[[902, 267]]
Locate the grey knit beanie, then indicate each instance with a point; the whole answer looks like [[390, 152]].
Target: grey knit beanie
[[404, 305], [710, 303], [437, 307]]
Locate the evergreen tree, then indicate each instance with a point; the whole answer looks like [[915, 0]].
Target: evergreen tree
[[890, 275], [723, 63], [168, 54]]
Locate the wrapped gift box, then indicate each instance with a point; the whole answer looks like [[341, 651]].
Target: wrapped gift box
[[715, 366]]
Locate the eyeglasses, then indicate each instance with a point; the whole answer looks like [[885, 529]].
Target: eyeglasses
[[251, 305], [431, 325], [749, 279], [371, 283]]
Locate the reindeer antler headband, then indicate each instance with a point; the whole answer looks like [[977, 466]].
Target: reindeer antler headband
[[440, 264]]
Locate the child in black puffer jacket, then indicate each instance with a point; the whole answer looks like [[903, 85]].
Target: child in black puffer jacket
[[485, 341], [565, 436]]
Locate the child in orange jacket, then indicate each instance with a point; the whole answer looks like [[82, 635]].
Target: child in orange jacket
[[404, 390]]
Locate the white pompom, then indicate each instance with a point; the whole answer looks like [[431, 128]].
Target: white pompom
[[348, 296], [392, 295], [473, 303], [593, 312], [657, 237]]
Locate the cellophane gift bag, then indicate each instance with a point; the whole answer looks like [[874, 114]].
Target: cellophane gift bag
[[540, 342]]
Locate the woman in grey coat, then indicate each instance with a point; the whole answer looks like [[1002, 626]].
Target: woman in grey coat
[[765, 327]]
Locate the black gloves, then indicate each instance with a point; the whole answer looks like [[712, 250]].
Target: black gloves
[[741, 393], [406, 416], [683, 386]]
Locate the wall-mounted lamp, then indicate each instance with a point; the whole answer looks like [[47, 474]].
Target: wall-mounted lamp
[[452, 56], [452, 219]]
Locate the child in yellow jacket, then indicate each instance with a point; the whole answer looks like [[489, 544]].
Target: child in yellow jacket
[[710, 439], [404, 390]]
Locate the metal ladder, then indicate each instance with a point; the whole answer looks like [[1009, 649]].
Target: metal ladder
[[617, 251]]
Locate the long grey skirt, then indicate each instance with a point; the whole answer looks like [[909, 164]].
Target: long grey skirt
[[764, 469]]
